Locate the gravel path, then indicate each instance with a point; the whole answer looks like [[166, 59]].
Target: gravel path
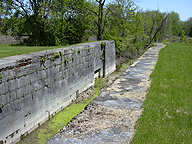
[[112, 116]]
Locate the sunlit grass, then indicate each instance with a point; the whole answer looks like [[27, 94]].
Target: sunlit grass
[[167, 116], [9, 50]]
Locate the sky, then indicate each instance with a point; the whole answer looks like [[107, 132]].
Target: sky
[[182, 7]]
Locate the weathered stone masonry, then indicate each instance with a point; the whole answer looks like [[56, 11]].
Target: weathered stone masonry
[[35, 86]]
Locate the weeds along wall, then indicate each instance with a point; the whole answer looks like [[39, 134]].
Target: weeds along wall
[[35, 86]]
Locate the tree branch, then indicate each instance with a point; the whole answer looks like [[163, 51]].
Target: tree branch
[[160, 27], [93, 12], [21, 6], [105, 21]]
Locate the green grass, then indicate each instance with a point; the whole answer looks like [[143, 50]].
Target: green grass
[[9, 50], [50, 128], [167, 116]]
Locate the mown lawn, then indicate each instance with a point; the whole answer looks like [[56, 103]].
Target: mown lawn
[[9, 50], [167, 116]]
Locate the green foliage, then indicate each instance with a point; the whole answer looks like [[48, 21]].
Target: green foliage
[[60, 53], [103, 44], [78, 51], [183, 37], [62, 22], [187, 27], [130, 62], [190, 31], [45, 22], [1, 105], [99, 84], [47, 85], [66, 60], [101, 57], [152, 22], [121, 22], [57, 55], [175, 25], [43, 59]]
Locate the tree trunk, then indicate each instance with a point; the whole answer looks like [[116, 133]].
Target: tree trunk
[[163, 22], [100, 22], [100, 19]]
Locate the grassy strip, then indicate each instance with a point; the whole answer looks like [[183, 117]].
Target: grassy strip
[[167, 115], [50, 128], [8, 50], [11, 50]]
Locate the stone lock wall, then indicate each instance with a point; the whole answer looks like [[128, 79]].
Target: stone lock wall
[[35, 86]]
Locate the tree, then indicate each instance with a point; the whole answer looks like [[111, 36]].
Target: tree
[[137, 32], [187, 26], [101, 13], [78, 21], [30, 18], [190, 32], [54, 22], [162, 25], [100, 19], [154, 24], [70, 20], [175, 23], [121, 15], [1, 11], [48, 22]]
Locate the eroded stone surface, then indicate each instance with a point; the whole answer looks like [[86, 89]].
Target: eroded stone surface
[[36, 86], [111, 117]]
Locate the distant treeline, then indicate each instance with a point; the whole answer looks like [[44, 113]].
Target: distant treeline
[[61, 22]]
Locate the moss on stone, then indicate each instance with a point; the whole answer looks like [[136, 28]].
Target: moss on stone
[[103, 44], [43, 59]]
